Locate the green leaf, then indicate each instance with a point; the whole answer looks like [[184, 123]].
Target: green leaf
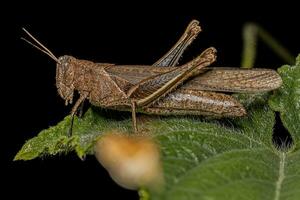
[[201, 158], [286, 100], [55, 140], [209, 161]]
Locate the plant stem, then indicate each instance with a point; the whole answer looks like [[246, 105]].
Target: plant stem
[[251, 32]]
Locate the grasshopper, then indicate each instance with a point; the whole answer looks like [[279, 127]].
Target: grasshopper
[[163, 88]]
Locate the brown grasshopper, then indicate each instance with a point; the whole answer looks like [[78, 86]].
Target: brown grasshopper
[[163, 88]]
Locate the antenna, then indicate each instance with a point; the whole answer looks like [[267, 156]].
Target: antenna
[[39, 46]]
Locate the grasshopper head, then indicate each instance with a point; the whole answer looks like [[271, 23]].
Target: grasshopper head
[[65, 77], [65, 68]]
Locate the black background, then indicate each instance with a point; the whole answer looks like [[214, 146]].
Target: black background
[[120, 34]]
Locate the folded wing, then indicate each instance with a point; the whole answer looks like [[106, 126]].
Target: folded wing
[[235, 80]]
